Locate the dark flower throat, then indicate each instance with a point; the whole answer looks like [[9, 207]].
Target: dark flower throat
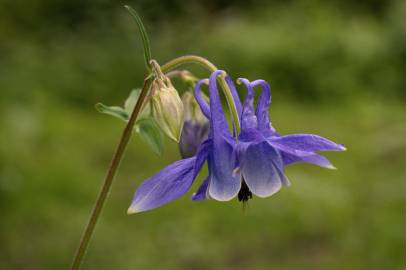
[[245, 193]]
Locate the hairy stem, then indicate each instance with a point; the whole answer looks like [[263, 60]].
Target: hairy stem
[[115, 162]]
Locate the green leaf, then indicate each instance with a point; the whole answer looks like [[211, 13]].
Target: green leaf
[[146, 126], [144, 35], [132, 100], [150, 133], [113, 110]]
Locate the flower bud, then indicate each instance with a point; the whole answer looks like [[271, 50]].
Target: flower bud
[[189, 78], [167, 108], [195, 129]]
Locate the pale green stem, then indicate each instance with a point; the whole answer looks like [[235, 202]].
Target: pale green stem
[[125, 137], [115, 162]]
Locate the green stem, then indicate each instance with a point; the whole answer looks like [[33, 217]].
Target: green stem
[[211, 67], [115, 162], [185, 59]]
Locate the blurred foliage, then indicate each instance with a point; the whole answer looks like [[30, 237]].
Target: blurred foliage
[[337, 68], [311, 50]]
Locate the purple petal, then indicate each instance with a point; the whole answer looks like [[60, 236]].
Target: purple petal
[[202, 191], [170, 183], [218, 123], [202, 154], [297, 143], [200, 100], [279, 166], [262, 110], [222, 158], [234, 93], [308, 158], [167, 185], [261, 168], [248, 118], [224, 183], [203, 104], [251, 135]]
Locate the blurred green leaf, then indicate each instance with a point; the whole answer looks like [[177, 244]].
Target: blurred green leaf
[[150, 133], [145, 126], [130, 102], [113, 110]]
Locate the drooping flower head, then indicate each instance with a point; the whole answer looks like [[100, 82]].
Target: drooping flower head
[[252, 163]]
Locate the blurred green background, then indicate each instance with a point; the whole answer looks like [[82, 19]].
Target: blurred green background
[[337, 68]]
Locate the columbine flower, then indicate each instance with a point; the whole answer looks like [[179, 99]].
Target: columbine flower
[[262, 153], [167, 108], [253, 164], [176, 179], [195, 128]]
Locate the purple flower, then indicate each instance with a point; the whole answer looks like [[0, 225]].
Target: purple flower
[[262, 153], [252, 164], [176, 179]]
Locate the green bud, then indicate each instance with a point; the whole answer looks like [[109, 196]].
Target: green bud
[[167, 108], [189, 78], [193, 113]]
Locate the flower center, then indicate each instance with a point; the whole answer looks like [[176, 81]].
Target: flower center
[[245, 193]]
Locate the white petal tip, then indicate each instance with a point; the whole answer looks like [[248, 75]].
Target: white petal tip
[[343, 148], [269, 193], [331, 167], [222, 197], [132, 210], [193, 197]]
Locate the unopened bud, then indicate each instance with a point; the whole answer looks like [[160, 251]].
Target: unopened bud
[[195, 129], [167, 108], [188, 78], [192, 109]]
